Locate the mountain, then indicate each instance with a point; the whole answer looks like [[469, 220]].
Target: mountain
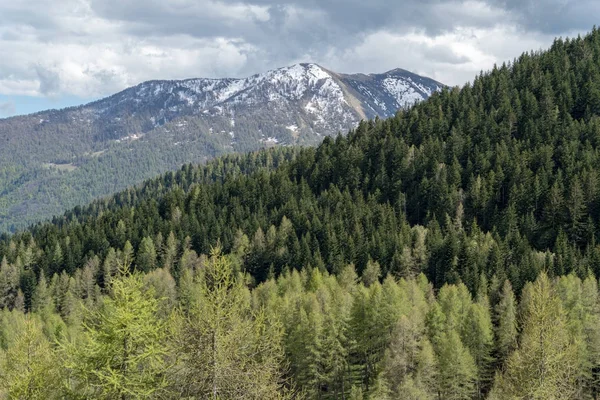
[[470, 220], [499, 177], [53, 160], [290, 105]]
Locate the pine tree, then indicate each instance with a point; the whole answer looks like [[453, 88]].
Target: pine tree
[[9, 283], [146, 256]]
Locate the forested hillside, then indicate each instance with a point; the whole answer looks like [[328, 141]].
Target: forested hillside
[[499, 177], [478, 192], [54, 160], [304, 335]]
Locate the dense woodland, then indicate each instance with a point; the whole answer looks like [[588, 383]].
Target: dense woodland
[[304, 335], [457, 205], [47, 168]]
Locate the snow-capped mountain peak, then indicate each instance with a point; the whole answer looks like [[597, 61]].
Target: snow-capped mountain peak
[[315, 100], [158, 125]]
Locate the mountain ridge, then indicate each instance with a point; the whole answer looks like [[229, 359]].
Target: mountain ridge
[[53, 160]]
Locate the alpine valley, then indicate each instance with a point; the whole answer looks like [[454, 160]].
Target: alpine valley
[[54, 160]]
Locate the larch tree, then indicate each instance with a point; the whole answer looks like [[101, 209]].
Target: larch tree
[[544, 366], [478, 333], [226, 349], [29, 367], [506, 323], [457, 369], [122, 351]]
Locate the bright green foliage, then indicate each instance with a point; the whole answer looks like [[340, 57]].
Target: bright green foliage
[[226, 350], [478, 334], [591, 334], [356, 393], [28, 368], [122, 351], [306, 335], [164, 288], [506, 322], [41, 296], [410, 364], [306, 347], [380, 391], [457, 369], [544, 366], [580, 301]]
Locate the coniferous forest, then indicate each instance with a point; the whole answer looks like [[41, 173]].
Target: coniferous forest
[[446, 253]]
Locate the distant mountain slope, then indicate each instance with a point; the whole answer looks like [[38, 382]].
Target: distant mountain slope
[[496, 180], [54, 160]]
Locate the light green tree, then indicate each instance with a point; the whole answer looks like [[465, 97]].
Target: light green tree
[[122, 351], [457, 370], [506, 322], [29, 367], [479, 339], [227, 350], [544, 366]]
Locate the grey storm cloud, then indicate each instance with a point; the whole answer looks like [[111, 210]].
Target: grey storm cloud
[[344, 17], [281, 32], [552, 16], [305, 30], [96, 47], [307, 24]]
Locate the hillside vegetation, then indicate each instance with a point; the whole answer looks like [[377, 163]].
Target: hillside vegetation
[[459, 201], [55, 160], [304, 335]]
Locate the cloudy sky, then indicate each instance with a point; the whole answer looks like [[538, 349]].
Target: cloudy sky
[[55, 53]]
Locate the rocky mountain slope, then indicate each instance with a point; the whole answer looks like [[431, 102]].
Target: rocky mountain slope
[[301, 103], [55, 159]]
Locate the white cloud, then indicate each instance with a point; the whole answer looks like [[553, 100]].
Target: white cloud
[[453, 58], [92, 48]]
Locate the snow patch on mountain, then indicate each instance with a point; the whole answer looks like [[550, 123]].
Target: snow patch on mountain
[[306, 95], [403, 92]]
